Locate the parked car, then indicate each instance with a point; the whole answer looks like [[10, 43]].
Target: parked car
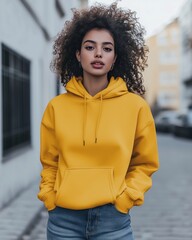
[[164, 121], [182, 126]]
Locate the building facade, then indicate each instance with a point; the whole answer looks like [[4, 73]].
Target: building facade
[[27, 31], [185, 20], [163, 74]]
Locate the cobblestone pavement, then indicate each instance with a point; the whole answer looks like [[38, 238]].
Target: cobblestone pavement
[[19, 214], [166, 214]]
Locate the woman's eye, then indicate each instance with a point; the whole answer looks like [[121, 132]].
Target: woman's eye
[[106, 49], [89, 48]]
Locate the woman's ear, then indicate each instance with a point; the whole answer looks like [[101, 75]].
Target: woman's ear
[[78, 55]]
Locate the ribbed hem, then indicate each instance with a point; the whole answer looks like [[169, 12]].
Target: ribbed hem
[[124, 203], [49, 200]]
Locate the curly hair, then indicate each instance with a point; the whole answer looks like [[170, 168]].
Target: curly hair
[[128, 37]]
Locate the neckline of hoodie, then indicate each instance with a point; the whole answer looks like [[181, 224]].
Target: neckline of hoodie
[[102, 92]]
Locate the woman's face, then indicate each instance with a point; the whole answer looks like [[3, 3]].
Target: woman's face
[[97, 53]]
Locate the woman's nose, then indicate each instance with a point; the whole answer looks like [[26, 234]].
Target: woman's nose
[[98, 53]]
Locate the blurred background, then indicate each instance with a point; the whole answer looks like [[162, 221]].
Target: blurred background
[[27, 31]]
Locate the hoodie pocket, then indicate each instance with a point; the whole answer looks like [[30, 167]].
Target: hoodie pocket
[[83, 188]]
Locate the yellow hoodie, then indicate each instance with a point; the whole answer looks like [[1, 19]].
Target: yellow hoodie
[[97, 149]]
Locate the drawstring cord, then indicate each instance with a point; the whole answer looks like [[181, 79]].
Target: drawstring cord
[[99, 117], [84, 118]]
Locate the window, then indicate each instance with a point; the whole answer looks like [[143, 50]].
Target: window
[[162, 39], [16, 100], [174, 33], [168, 78], [168, 57]]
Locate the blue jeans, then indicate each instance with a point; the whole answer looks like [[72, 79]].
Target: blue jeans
[[99, 223]]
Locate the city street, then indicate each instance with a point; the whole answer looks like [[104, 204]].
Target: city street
[[166, 214]]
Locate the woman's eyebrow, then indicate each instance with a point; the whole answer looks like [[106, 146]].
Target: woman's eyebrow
[[104, 43]]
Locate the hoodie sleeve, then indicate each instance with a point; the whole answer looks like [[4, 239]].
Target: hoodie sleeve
[[48, 158], [144, 162]]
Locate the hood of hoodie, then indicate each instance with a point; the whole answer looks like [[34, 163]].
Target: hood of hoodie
[[116, 88]]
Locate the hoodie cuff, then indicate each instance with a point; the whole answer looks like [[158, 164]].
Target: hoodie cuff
[[123, 202], [49, 200]]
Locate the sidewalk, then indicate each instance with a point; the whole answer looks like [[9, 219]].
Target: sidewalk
[[20, 214]]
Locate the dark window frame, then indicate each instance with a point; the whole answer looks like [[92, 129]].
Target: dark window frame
[[16, 119]]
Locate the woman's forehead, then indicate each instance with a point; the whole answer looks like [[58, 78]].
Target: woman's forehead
[[98, 35]]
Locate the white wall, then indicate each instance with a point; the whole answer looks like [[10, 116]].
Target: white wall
[[19, 31], [22, 168]]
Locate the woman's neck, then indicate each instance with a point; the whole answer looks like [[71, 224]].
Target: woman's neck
[[95, 85]]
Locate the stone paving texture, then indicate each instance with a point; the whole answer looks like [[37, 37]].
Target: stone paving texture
[[19, 215], [165, 215]]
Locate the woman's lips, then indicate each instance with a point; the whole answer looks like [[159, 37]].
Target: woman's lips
[[97, 64]]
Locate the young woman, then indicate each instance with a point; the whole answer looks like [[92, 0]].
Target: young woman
[[98, 140]]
